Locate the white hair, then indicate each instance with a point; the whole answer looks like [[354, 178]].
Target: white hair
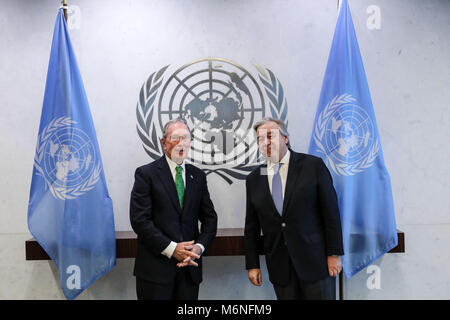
[[167, 125]]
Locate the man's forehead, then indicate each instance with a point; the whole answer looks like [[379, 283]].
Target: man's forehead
[[177, 127]]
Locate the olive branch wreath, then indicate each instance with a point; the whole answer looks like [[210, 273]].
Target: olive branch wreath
[[146, 128], [345, 169], [62, 193], [274, 90]]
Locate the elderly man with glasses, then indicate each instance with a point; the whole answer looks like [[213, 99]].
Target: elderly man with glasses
[[168, 199]]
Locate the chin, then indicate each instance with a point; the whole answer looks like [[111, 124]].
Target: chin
[[275, 158], [180, 156]]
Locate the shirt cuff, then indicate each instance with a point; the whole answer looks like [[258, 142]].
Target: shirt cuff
[[201, 247], [168, 252]]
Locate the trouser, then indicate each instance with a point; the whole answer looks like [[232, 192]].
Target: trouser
[[298, 289], [180, 288]]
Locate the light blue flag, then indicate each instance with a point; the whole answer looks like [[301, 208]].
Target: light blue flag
[[345, 136], [70, 212]]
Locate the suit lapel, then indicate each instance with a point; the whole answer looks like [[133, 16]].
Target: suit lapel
[[167, 181], [264, 185], [191, 180], [295, 166]]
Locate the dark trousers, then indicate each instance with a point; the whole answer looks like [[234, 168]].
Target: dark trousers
[[298, 289], [180, 288]]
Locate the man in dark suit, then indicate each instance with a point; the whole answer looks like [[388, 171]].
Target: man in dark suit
[[293, 201], [168, 199]]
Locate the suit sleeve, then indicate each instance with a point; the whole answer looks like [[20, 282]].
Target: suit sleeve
[[207, 217], [330, 211], [252, 232], [141, 215]]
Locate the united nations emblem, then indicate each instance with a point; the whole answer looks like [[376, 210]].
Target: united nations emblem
[[66, 159], [345, 133], [220, 100]]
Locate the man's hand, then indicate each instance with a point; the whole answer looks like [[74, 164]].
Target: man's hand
[[254, 275], [334, 265], [183, 251], [189, 261]]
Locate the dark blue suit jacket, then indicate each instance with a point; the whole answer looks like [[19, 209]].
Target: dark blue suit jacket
[[157, 219]]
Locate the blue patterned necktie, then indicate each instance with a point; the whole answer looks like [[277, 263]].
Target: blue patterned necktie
[[277, 189]]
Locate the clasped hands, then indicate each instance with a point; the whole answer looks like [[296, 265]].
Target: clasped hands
[[186, 252]]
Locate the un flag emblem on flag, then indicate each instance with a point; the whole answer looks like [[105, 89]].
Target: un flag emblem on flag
[[346, 134], [66, 159]]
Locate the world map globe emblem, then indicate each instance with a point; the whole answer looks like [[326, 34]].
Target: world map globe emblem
[[220, 100], [350, 134], [69, 157], [346, 135], [67, 160]]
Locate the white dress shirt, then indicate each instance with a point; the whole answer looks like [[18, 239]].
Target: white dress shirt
[[173, 169], [283, 171], [168, 252]]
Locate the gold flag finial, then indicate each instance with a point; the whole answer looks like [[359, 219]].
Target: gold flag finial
[[64, 6]]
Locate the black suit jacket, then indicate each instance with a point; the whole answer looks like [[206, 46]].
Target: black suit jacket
[[309, 228], [157, 219]]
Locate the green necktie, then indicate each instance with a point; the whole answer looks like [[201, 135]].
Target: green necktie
[[179, 183]]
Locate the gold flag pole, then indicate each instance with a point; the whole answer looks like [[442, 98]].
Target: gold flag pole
[[64, 5]]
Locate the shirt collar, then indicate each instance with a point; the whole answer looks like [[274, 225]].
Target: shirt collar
[[284, 160]]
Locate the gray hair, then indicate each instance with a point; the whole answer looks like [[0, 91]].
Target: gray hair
[[167, 125], [281, 126]]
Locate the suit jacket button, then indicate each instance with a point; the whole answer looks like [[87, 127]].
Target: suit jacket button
[[283, 224]]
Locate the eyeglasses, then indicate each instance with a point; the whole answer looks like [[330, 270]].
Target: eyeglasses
[[184, 138]]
